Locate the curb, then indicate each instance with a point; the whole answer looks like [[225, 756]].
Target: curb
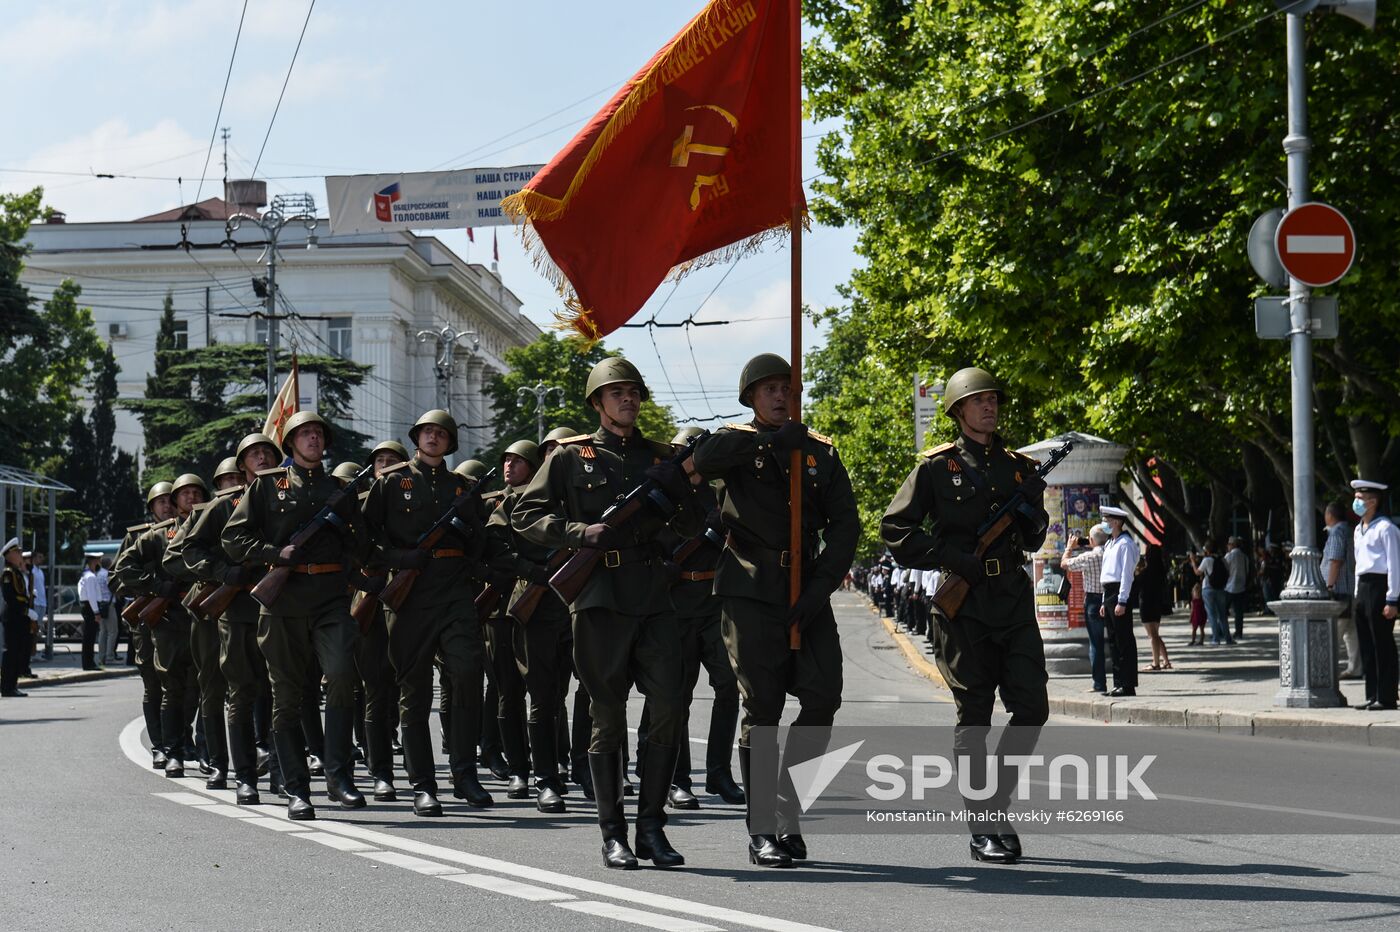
[[1279, 723], [79, 676]]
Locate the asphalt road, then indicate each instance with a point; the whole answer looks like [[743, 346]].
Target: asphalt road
[[92, 838]]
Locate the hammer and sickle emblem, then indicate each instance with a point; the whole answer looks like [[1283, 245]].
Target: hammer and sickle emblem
[[683, 148]]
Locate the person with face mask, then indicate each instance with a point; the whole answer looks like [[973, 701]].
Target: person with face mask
[[1376, 541], [1120, 558]]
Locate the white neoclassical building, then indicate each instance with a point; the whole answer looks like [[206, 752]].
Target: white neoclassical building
[[366, 297]]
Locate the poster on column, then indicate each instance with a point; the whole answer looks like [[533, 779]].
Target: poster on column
[[455, 200]]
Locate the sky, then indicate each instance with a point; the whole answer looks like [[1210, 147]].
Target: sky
[[135, 87]]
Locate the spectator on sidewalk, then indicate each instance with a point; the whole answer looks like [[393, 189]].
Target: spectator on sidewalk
[[39, 607], [90, 606], [107, 619], [1152, 590], [1339, 570], [1120, 556], [1086, 558], [1237, 561], [14, 589], [1214, 575], [1376, 542]]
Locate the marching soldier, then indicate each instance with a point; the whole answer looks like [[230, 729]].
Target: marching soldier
[[204, 632], [161, 508], [624, 625], [170, 634], [752, 579], [994, 642], [437, 617], [376, 672], [240, 661], [491, 757], [692, 566], [310, 620], [540, 646]]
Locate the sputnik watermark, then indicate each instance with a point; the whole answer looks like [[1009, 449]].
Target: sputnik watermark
[[1115, 777]]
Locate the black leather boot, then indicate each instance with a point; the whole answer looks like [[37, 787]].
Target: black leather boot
[[216, 740], [380, 760], [340, 768], [719, 778], [989, 848], [549, 790], [422, 774], [466, 730], [681, 794], [170, 726], [151, 712], [517, 760], [296, 781], [244, 755], [763, 847], [606, 771], [659, 765]]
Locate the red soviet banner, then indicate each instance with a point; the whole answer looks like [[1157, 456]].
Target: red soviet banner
[[690, 163]]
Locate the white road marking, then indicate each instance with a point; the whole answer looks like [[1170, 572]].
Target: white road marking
[[233, 812], [637, 916], [277, 825], [359, 840], [1317, 245], [187, 799], [507, 886], [409, 862]]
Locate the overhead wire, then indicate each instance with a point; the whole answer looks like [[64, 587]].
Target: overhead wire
[[218, 116], [283, 92]]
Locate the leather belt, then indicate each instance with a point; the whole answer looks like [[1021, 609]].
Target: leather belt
[[992, 567], [448, 552], [643, 553], [698, 577], [318, 569], [747, 550]]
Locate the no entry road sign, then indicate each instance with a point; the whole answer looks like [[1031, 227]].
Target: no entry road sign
[[1315, 244]]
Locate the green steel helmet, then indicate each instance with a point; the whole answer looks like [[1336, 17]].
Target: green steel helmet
[[966, 383], [189, 478], [687, 434], [346, 471], [442, 419], [228, 466], [471, 469], [157, 490], [389, 446], [763, 366], [611, 371], [247, 443], [527, 450], [299, 420], [558, 434]]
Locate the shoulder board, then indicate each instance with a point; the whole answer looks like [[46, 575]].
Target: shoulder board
[[663, 449], [576, 438], [361, 497], [821, 438], [203, 507], [495, 496], [164, 524], [274, 471], [748, 427], [138, 528], [941, 448], [225, 493], [397, 466]]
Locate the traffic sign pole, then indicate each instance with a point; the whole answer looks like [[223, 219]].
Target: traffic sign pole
[[1307, 629]]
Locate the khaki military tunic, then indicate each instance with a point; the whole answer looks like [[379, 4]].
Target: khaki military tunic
[[204, 632]]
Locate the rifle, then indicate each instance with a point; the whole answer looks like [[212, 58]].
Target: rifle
[[687, 548], [953, 589], [363, 608], [487, 600], [270, 586], [523, 608], [570, 578], [201, 591], [398, 588], [218, 601], [131, 614]]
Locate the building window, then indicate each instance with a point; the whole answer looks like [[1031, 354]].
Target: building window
[[260, 330], [338, 336], [182, 334]]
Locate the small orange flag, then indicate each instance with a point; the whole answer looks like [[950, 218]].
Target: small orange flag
[[283, 406], [692, 162]]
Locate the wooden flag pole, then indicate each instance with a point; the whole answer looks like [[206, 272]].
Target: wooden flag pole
[[795, 223]]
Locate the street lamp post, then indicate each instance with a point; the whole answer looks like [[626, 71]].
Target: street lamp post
[[540, 392], [285, 209]]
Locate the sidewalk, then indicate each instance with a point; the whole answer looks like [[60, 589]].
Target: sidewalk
[[67, 667], [1210, 688]]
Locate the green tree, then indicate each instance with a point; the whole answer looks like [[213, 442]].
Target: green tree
[[103, 477], [224, 397], [1061, 195], [45, 354], [562, 362]]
